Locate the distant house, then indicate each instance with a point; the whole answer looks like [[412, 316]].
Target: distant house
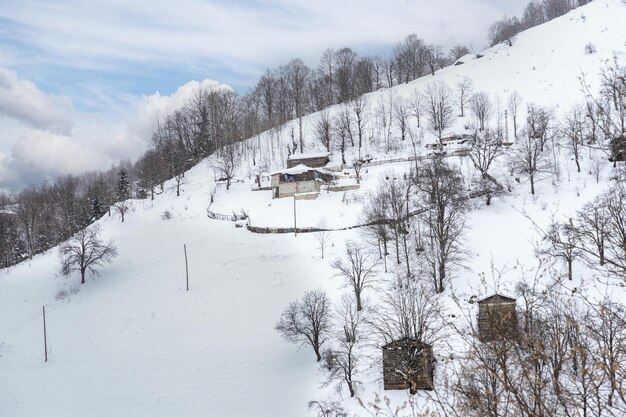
[[312, 160], [618, 149], [300, 179], [408, 364], [497, 318]]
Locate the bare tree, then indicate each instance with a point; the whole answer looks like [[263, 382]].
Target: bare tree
[[444, 219], [614, 199], [122, 207], [485, 148], [327, 408], [575, 129], [533, 15], [408, 310], [560, 242], [343, 132], [481, 108], [226, 163], [402, 117], [28, 216], [324, 130], [360, 109], [307, 321], [374, 215], [434, 57], [527, 159], [463, 93], [358, 271], [151, 170], [342, 362], [322, 236], [439, 108], [344, 61], [458, 51], [504, 30], [514, 103], [298, 75], [85, 252], [556, 8], [539, 123], [417, 105]]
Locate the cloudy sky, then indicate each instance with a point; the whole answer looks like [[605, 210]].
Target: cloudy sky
[[81, 81]]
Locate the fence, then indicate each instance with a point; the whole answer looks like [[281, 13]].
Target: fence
[[279, 230], [232, 217]]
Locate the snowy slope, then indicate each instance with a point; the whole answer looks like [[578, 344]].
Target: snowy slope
[[134, 342]]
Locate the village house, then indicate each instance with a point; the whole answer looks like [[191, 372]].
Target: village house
[[408, 364], [311, 160], [618, 149], [300, 179], [497, 318]]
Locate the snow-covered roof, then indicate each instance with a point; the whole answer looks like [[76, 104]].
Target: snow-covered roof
[[497, 298], [6, 212], [298, 169], [311, 155], [301, 169]]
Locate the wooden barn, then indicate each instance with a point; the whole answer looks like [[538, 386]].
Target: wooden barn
[[408, 363], [618, 149], [497, 318], [312, 160]]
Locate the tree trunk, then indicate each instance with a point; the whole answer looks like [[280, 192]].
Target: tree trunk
[[350, 388], [569, 269], [317, 353]]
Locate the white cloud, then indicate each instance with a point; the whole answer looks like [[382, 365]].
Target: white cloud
[[20, 99], [96, 142], [254, 32], [149, 108], [51, 153]]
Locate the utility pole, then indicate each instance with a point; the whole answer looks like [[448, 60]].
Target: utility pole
[[295, 227], [186, 267], [45, 337]]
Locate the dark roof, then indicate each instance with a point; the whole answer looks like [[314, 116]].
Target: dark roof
[[497, 298], [404, 342]]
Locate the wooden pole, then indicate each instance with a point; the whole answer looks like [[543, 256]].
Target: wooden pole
[[45, 337], [186, 267], [295, 226]]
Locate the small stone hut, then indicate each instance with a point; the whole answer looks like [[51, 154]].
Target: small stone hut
[[408, 363], [497, 318], [312, 160]]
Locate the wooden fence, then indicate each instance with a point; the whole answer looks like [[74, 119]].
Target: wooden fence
[[280, 230], [232, 217]]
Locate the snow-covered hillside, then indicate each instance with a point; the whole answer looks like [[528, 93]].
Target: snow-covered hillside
[[134, 342]]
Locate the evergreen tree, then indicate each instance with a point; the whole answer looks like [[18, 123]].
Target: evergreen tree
[[123, 186], [96, 208]]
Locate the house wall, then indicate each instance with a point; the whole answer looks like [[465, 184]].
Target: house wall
[[288, 189], [310, 162], [396, 360], [497, 320]]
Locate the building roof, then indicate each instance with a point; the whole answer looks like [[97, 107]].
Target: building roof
[[298, 169], [311, 155], [497, 298], [301, 169]]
